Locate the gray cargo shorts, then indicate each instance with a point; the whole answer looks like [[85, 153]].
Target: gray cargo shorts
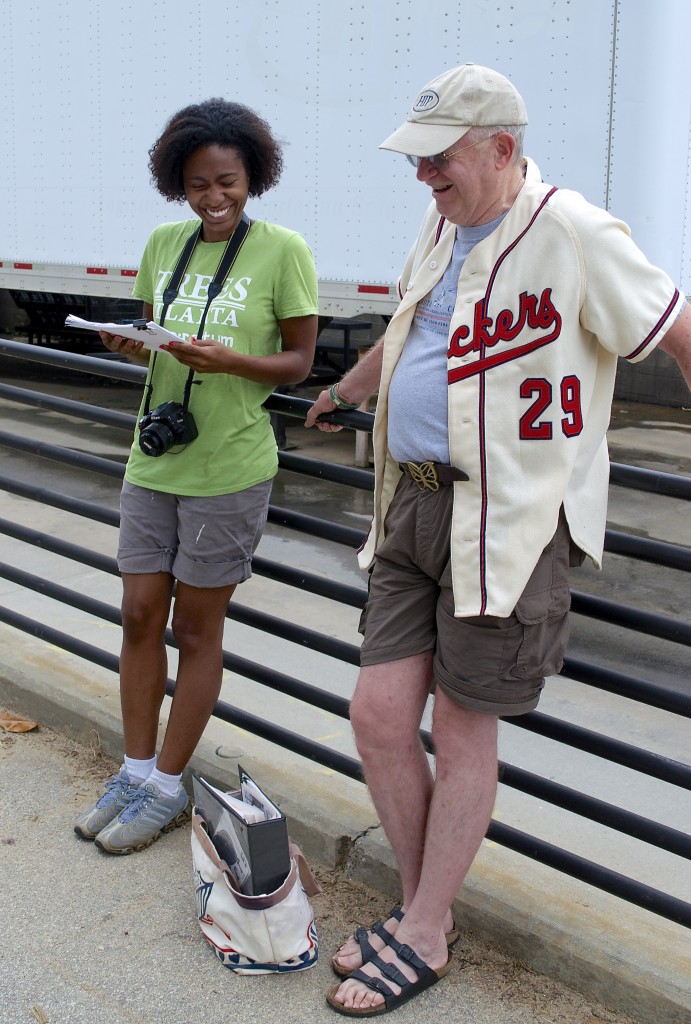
[[204, 542]]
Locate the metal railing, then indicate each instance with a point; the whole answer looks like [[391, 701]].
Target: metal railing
[[671, 772]]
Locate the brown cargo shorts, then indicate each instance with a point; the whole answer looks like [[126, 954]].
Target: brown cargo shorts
[[489, 664]]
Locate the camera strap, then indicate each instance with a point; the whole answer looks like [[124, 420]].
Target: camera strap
[[228, 258]]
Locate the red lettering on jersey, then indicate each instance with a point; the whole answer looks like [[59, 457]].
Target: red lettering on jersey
[[538, 315]]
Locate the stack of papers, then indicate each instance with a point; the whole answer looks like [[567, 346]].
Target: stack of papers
[[150, 334]]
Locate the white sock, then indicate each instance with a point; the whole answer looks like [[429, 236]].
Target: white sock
[[167, 785], [139, 771]]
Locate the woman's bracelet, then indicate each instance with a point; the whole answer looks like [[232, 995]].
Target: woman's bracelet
[[338, 401]]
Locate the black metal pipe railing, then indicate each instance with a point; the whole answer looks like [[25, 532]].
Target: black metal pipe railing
[[93, 365], [353, 597], [670, 629], [65, 456], [65, 502], [300, 635], [68, 407], [302, 523], [634, 477], [569, 799], [632, 891], [624, 821], [650, 623], [641, 690], [625, 754], [616, 751], [652, 481], [644, 549], [628, 889]]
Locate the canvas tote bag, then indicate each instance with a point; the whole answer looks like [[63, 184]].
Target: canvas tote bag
[[254, 934]]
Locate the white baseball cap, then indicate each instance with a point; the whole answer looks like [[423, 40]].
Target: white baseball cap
[[451, 105]]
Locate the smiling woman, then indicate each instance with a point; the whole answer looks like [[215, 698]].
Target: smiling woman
[[217, 188], [242, 296]]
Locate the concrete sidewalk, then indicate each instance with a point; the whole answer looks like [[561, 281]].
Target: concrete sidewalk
[[92, 939]]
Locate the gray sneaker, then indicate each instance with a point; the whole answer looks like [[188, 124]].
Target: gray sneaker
[[146, 816], [118, 791]]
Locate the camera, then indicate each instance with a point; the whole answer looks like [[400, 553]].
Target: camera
[[167, 425]]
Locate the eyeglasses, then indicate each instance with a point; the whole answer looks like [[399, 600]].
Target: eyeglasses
[[441, 161]]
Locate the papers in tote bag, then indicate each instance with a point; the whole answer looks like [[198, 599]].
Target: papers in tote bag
[[150, 334], [249, 832]]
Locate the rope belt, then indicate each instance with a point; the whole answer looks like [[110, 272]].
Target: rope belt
[[429, 476]]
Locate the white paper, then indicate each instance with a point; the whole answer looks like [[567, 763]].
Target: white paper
[[253, 795], [244, 810], [152, 336]]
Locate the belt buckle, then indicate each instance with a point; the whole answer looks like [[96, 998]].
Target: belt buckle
[[424, 475]]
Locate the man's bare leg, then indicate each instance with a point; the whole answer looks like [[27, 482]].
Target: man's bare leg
[[392, 697], [460, 810]]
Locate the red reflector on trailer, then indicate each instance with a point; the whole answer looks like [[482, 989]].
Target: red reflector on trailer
[[374, 289], [128, 273], [23, 266], [97, 270]]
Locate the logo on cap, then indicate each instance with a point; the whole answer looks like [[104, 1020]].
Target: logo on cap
[[427, 100]]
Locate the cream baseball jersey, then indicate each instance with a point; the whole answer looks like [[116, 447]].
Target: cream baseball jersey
[[545, 306]]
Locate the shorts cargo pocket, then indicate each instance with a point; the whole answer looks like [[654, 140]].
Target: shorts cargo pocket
[[544, 617], [543, 610]]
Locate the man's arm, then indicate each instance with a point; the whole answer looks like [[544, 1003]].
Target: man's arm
[[677, 342], [357, 385]]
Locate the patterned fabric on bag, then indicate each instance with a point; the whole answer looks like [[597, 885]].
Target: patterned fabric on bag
[[267, 934]]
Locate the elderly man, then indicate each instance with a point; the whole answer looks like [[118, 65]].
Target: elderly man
[[495, 381]]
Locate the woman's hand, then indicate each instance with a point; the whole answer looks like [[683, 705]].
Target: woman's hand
[[133, 350], [203, 356]]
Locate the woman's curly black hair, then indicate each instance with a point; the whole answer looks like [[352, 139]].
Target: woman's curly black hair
[[215, 122]]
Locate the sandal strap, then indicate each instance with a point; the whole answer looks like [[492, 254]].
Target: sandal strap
[[425, 975], [379, 929], [392, 973], [408, 955], [362, 938], [361, 935], [376, 984]]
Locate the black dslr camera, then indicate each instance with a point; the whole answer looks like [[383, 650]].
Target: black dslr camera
[[164, 427]]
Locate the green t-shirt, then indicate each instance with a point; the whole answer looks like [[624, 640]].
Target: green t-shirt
[[273, 278]]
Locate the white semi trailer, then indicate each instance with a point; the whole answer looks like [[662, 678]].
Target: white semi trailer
[[87, 85]]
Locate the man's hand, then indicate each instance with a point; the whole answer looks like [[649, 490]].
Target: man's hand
[[361, 382], [322, 404], [677, 343]]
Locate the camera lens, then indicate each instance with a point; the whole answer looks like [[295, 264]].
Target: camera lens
[[156, 439]]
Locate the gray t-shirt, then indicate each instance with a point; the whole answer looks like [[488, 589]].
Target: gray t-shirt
[[418, 428]]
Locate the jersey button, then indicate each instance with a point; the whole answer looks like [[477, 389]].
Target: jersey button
[[433, 265]]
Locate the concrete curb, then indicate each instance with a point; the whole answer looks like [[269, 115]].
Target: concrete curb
[[626, 958]]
